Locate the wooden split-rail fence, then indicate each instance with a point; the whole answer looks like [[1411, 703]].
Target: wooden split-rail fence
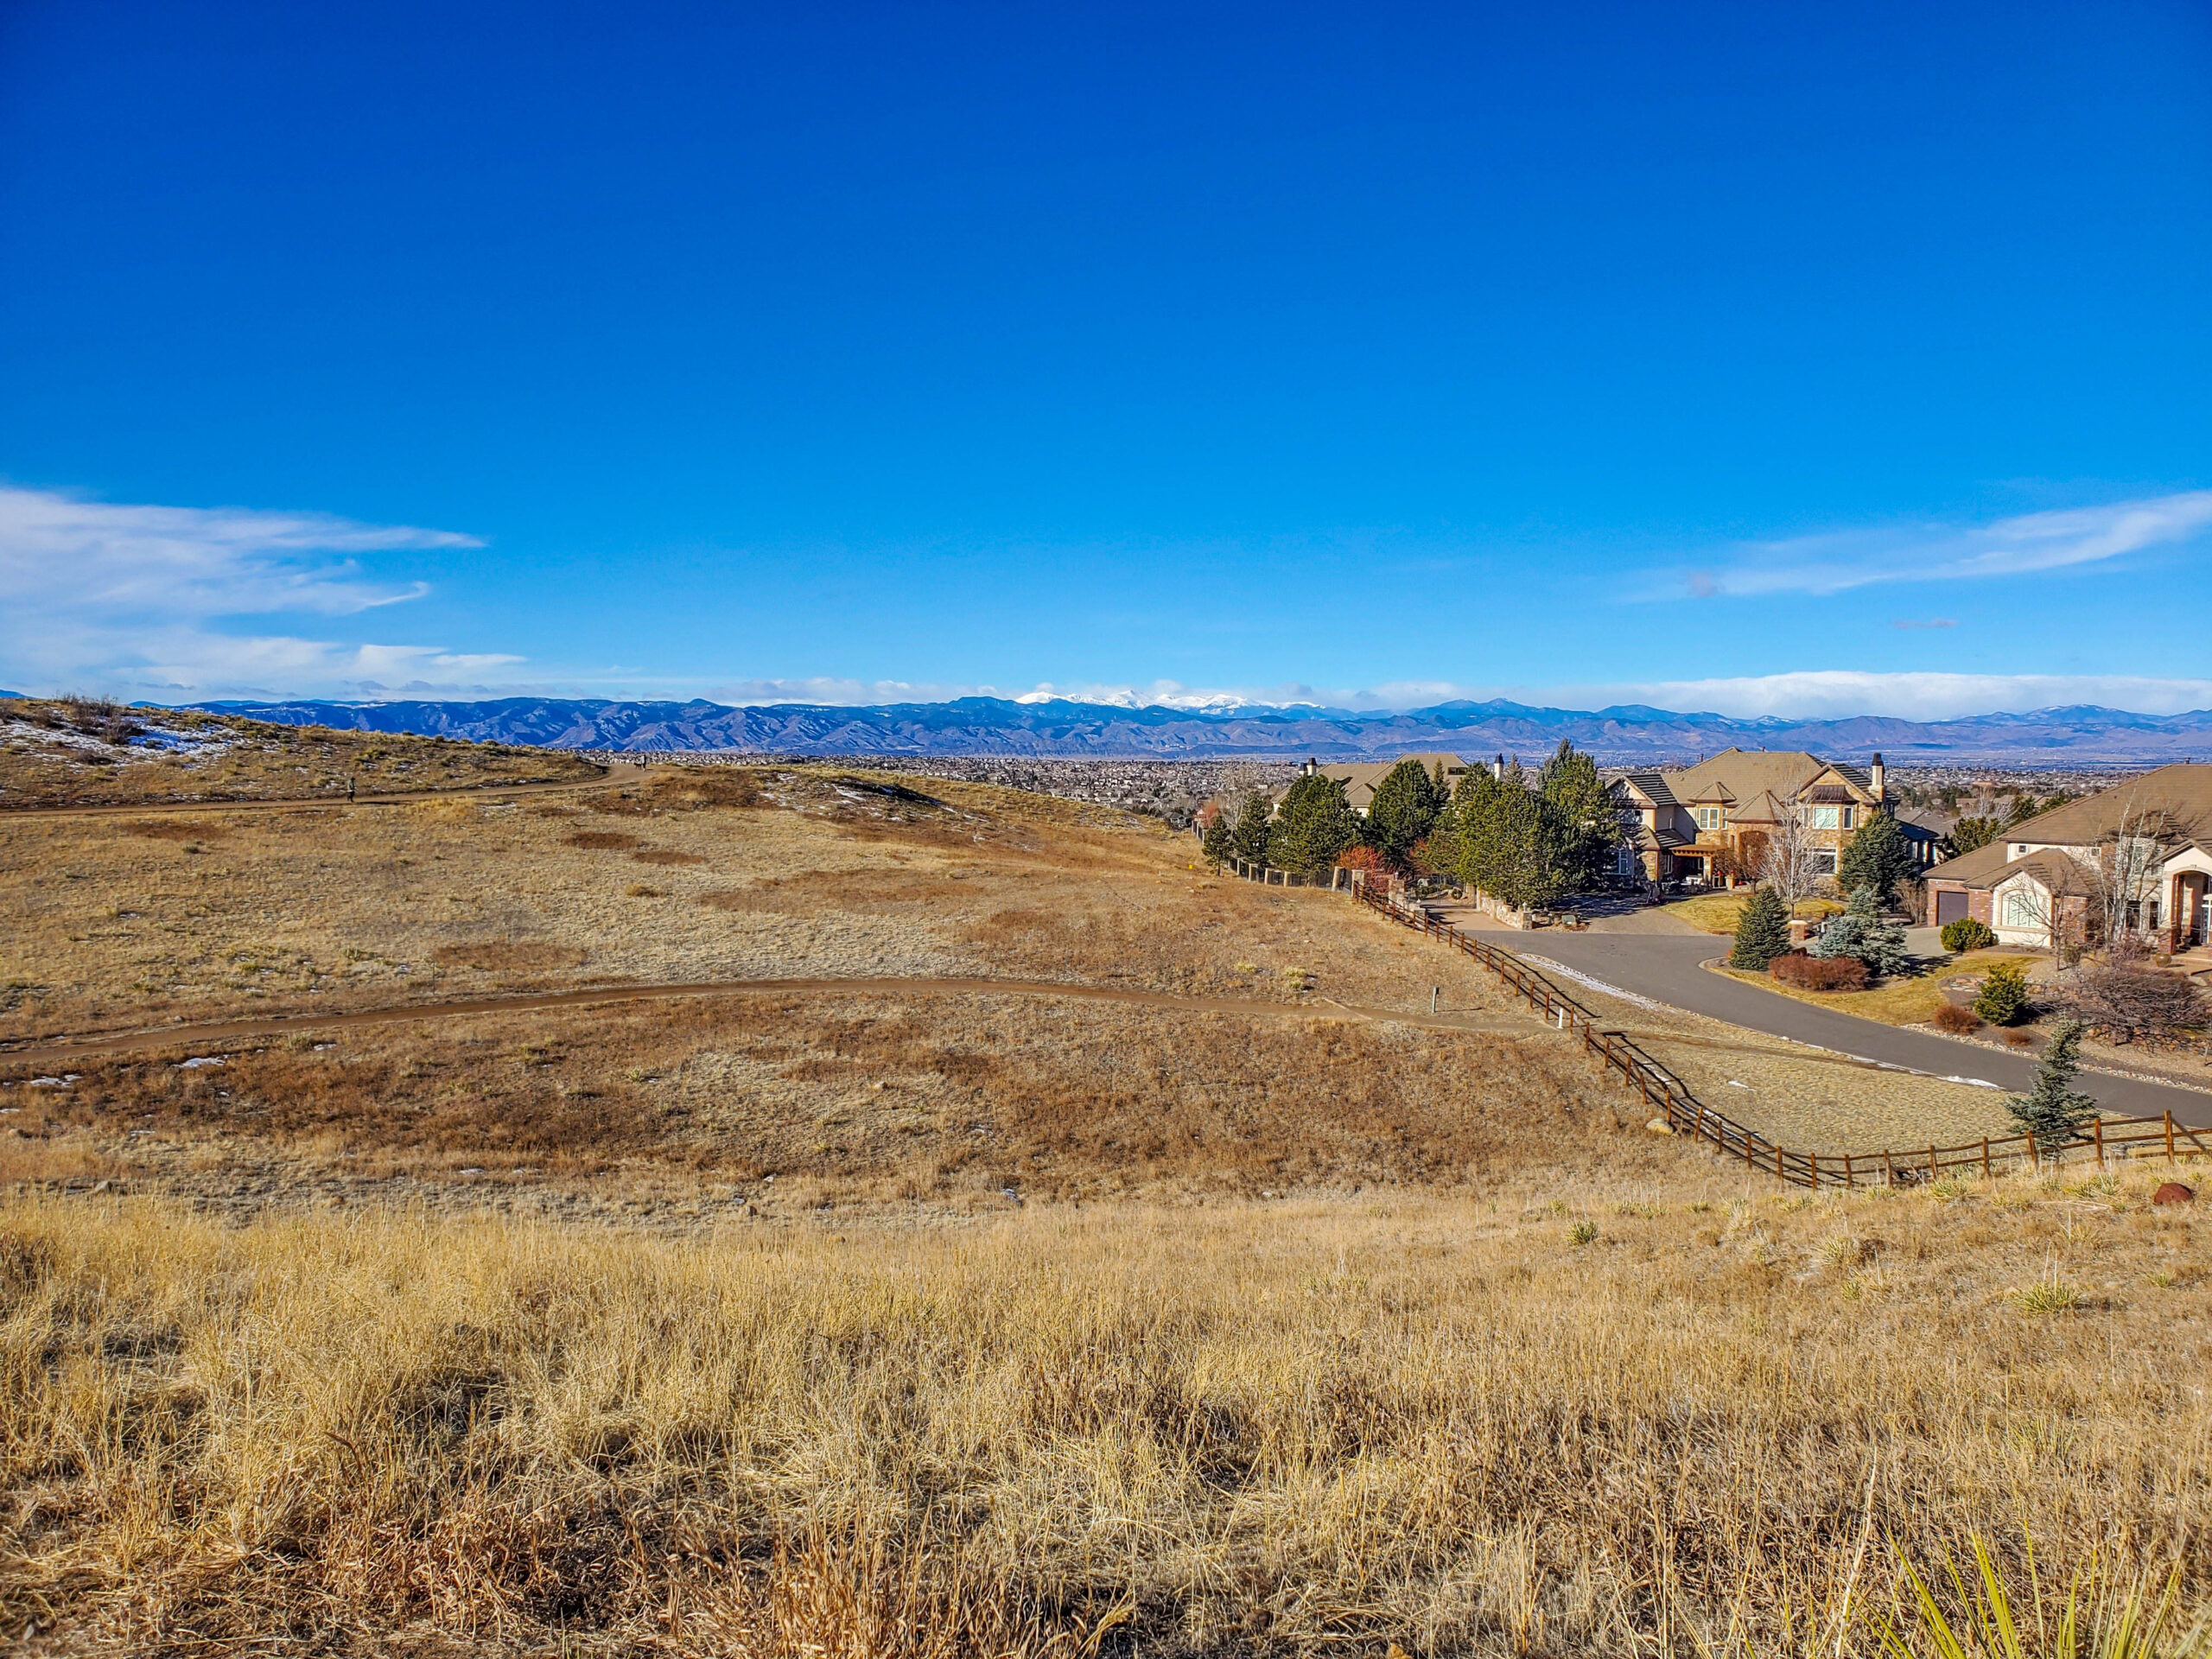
[[2109, 1139]]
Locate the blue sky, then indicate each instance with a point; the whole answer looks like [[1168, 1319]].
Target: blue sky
[[1723, 356]]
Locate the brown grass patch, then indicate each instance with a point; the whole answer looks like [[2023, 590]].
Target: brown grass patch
[[176, 830], [603, 840], [509, 956], [1269, 1429], [666, 855]]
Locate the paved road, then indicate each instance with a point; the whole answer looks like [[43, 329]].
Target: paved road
[[1666, 969], [62, 1051]]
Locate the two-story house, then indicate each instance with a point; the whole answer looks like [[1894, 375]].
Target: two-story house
[[1714, 821]]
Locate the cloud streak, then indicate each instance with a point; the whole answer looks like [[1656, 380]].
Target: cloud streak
[[2028, 544], [100, 596]]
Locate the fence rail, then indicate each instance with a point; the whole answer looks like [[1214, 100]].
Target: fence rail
[[1669, 1096]]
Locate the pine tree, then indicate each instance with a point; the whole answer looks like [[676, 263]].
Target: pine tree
[[1403, 811], [1877, 858], [1314, 826], [1583, 824], [2002, 998], [1218, 839], [1249, 840], [1762, 932], [2053, 1110]]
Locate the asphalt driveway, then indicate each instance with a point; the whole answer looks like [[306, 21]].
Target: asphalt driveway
[[1665, 968]]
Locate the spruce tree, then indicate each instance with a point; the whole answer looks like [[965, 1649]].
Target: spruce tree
[[1582, 820], [1403, 811], [1314, 826], [1877, 858], [1217, 841], [2053, 1110], [1249, 840], [1864, 933], [1762, 932]]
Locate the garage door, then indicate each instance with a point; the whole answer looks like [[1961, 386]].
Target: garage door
[[1950, 905]]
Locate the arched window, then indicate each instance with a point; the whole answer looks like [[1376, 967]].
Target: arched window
[[2022, 908]]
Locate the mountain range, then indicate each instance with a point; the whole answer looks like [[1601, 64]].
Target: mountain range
[[1059, 727]]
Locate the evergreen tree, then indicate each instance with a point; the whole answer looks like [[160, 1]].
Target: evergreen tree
[[1249, 840], [1878, 857], [1583, 820], [1218, 840], [1313, 826], [1762, 932], [1505, 847], [2053, 1110], [2003, 999], [1404, 810], [1864, 933], [1970, 833]]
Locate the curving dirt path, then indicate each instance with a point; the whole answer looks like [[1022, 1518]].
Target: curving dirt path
[[60, 1050]]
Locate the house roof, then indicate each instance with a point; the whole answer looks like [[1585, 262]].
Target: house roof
[[1360, 778], [1743, 774], [2180, 794], [2177, 799], [1652, 785], [1978, 868], [2055, 871]]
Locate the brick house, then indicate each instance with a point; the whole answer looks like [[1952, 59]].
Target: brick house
[[1711, 822], [2144, 847]]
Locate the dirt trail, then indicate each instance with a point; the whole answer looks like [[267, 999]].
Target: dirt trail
[[58, 1050], [621, 772]]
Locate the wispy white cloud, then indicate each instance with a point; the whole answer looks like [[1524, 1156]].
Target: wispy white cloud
[[1836, 693], [2023, 545], [96, 595]]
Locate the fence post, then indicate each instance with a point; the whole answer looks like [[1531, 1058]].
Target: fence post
[[1985, 1157], [1849, 1179], [1931, 1162], [1889, 1168], [1813, 1159], [2100, 1143], [2035, 1158], [2170, 1134]]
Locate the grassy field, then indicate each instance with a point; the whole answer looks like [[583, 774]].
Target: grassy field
[[901, 1321], [1628, 1416], [79, 753], [1718, 913]]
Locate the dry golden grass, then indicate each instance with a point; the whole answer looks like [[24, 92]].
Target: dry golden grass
[[1908, 1001], [1590, 1418], [1719, 912], [52, 754]]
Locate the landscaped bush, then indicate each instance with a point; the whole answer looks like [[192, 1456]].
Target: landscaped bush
[[2128, 1002], [1957, 1020], [1819, 973], [2003, 999], [1967, 934]]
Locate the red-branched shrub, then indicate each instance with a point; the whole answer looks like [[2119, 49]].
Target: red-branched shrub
[[1819, 973], [1957, 1020]]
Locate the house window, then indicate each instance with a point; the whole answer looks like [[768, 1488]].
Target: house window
[[1850, 815], [2021, 909], [1824, 817], [1824, 860], [1708, 817]]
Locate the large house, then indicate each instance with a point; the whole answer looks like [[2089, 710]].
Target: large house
[[1714, 821], [2140, 851]]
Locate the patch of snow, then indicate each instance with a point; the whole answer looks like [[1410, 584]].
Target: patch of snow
[[198, 1060], [1614, 991]]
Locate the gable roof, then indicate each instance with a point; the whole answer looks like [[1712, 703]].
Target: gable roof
[[1361, 777], [1744, 774], [2181, 795]]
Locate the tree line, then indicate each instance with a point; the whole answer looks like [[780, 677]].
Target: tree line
[[1528, 841]]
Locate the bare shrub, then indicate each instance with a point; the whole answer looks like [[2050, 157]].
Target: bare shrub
[[2128, 1002], [1819, 973]]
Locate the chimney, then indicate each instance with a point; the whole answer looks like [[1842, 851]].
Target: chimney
[[1311, 766], [1498, 768], [1874, 776]]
